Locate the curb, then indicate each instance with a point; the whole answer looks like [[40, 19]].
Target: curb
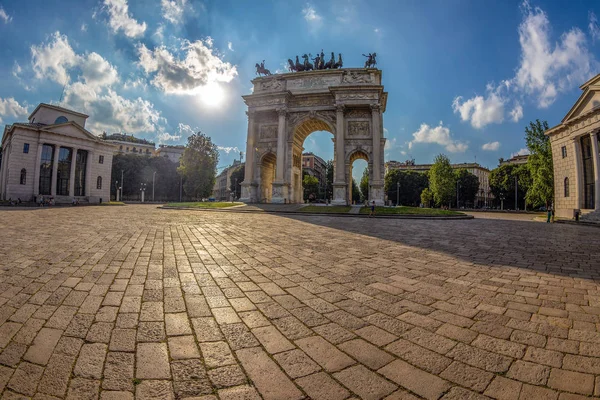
[[584, 223], [389, 216]]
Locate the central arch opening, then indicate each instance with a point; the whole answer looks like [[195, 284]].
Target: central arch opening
[[314, 151], [268, 164], [358, 183]]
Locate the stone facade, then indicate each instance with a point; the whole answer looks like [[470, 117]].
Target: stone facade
[[576, 155], [55, 156], [222, 189], [284, 109], [173, 153], [315, 166]]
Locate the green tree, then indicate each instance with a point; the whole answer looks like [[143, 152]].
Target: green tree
[[329, 179], [137, 170], [411, 185], [237, 177], [503, 181], [442, 180], [426, 197], [356, 192], [539, 163], [198, 166], [310, 184], [468, 186], [364, 184]]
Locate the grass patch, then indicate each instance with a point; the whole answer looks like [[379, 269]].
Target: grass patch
[[112, 203], [410, 211], [205, 204], [326, 209]]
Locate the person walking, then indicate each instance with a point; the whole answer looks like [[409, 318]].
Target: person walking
[[549, 214], [372, 209]]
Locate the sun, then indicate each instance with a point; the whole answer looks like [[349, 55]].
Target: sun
[[212, 95]]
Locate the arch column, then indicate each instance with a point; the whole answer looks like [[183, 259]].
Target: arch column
[[376, 185], [280, 188], [596, 158], [36, 172], [54, 182], [249, 186], [72, 172], [339, 184]]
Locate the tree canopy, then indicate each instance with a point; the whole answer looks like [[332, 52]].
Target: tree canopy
[[198, 166], [310, 185], [502, 184], [412, 184], [426, 197], [539, 163], [468, 186], [356, 193], [442, 180], [140, 169], [364, 185]]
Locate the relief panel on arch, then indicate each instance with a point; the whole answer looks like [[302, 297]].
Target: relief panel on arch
[[359, 129], [268, 132]]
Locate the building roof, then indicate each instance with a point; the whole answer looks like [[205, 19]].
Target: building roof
[[122, 137], [57, 108]]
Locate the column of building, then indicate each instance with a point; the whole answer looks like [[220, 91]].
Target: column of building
[[36, 171], [54, 182], [339, 184], [376, 187], [249, 186], [596, 158], [578, 175], [280, 192], [88, 173], [72, 172]]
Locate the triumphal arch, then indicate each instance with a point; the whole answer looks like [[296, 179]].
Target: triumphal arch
[[284, 109]]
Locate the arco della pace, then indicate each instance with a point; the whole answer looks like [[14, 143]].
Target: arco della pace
[[285, 108]]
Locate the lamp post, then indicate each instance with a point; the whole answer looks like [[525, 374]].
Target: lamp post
[[153, 175], [143, 190], [516, 195], [397, 193], [122, 185], [502, 201], [116, 190]]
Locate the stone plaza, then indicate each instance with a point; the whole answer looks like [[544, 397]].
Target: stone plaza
[[135, 301]]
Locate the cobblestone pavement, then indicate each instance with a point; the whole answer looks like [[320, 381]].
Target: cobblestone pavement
[[117, 302]]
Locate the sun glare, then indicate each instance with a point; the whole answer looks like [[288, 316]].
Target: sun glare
[[212, 95]]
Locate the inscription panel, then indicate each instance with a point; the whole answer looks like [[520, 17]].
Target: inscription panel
[[268, 132], [359, 128]]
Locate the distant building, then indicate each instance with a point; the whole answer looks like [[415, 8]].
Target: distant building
[[315, 166], [516, 160], [173, 153], [54, 156], [129, 144], [484, 194], [576, 156], [222, 188]]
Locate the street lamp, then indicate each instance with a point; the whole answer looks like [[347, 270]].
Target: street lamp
[[116, 190], [143, 190], [153, 175], [397, 193], [502, 201]]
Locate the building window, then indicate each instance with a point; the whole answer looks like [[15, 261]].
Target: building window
[[23, 176], [566, 187], [63, 172], [564, 151], [61, 120], [46, 163], [25, 147], [99, 183], [101, 160], [80, 170]]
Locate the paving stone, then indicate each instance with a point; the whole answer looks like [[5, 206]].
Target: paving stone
[[83, 389], [296, 363], [90, 362], [151, 332], [238, 393], [154, 390], [535, 374], [238, 336], [272, 340], [188, 370], [334, 333], [322, 387], [56, 375], [504, 389], [25, 378], [571, 381], [118, 371], [467, 376], [426, 359], [216, 354], [324, 353], [177, 324], [12, 354], [543, 356], [420, 382], [529, 392], [376, 335], [152, 361], [122, 340], [365, 383], [228, 376], [292, 328], [366, 353], [181, 347], [270, 381]]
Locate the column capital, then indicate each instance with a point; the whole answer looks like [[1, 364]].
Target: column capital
[[340, 108], [375, 107], [282, 111], [250, 114]]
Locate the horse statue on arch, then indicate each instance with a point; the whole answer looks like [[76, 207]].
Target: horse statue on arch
[[371, 60], [307, 65], [340, 62], [261, 70]]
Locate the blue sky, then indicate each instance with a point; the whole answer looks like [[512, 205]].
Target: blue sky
[[464, 77]]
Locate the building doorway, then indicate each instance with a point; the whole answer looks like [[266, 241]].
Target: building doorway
[[588, 172]]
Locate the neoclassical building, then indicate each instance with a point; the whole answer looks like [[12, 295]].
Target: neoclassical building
[[576, 155], [284, 109], [54, 155]]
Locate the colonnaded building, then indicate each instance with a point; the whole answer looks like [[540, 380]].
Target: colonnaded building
[[576, 155], [54, 155], [284, 109]]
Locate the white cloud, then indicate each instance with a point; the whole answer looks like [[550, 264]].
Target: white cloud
[[546, 70], [228, 149], [173, 10], [517, 113], [230, 46], [16, 71], [120, 19], [83, 28], [593, 26], [11, 108], [167, 137], [3, 15], [51, 60], [96, 71], [198, 67], [521, 152], [440, 135], [492, 146], [390, 144], [311, 16], [479, 110]]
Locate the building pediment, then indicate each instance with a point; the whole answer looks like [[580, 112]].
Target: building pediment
[[588, 101], [71, 129]]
